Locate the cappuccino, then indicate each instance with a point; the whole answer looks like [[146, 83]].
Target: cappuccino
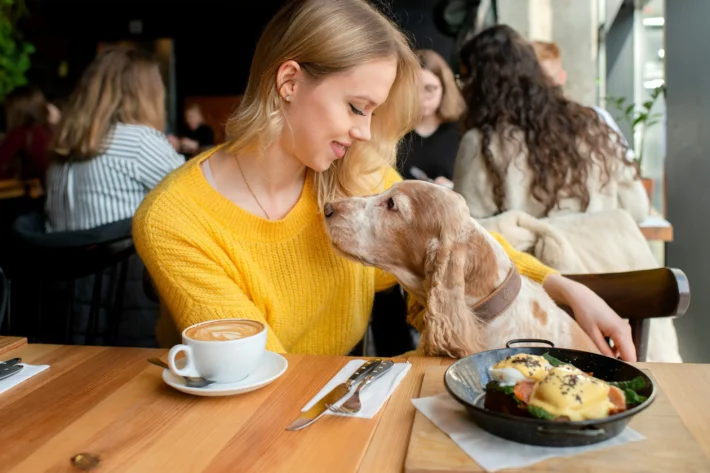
[[224, 330]]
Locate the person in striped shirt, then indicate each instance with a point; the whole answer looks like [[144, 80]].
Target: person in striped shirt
[[109, 149]]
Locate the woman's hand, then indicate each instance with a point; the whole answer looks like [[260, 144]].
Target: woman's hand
[[442, 181], [593, 315]]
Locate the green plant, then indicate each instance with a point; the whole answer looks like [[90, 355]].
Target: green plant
[[636, 117], [14, 52]]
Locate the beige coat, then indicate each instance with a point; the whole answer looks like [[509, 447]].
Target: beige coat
[[471, 179]]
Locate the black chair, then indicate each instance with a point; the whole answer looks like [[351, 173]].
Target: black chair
[[44, 258]]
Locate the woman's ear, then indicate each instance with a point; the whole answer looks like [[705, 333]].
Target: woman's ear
[[287, 78]]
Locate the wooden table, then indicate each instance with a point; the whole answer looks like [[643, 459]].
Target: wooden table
[[657, 228], [112, 405]]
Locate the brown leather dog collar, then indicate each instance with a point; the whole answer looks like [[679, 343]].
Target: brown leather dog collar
[[500, 299]]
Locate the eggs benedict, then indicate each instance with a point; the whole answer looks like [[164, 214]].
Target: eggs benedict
[[546, 388], [520, 367]]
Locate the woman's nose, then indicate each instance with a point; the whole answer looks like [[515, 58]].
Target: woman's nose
[[361, 133]]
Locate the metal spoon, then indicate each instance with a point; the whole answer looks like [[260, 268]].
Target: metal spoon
[[190, 381]]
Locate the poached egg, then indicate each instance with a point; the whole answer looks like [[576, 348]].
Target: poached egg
[[520, 367]]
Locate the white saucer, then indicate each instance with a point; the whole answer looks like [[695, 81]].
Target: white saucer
[[272, 366]]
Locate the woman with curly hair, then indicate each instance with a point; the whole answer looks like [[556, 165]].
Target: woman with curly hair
[[530, 148]]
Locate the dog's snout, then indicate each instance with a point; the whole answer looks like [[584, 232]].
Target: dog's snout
[[328, 210]]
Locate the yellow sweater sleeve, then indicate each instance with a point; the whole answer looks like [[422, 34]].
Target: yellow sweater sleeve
[[194, 286], [527, 264]]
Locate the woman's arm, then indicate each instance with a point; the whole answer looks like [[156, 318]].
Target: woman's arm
[[194, 286], [594, 316], [158, 158], [590, 311]]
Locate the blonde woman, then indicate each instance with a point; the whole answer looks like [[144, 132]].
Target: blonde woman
[[109, 149], [429, 151], [238, 231]]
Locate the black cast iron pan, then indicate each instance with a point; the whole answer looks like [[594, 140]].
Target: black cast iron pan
[[466, 379]]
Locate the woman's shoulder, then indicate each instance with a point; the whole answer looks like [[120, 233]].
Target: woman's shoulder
[[165, 203], [471, 136], [138, 133]]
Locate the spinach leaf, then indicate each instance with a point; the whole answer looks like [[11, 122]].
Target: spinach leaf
[[633, 398], [553, 361], [540, 413], [634, 384], [630, 387]]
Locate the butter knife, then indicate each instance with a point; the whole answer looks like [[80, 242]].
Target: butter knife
[[8, 363], [337, 393], [7, 372]]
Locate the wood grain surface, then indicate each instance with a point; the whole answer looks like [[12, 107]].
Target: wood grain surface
[[111, 407]]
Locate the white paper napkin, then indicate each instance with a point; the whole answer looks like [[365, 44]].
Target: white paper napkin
[[25, 373], [494, 453], [373, 397]]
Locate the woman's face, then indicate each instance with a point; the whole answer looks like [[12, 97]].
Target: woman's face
[[431, 92], [53, 114], [324, 117]]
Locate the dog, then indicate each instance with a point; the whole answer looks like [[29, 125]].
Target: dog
[[465, 293]]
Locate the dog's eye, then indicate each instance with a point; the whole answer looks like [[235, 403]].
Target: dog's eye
[[391, 204]]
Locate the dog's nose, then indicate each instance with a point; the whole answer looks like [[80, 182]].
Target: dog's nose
[[328, 210]]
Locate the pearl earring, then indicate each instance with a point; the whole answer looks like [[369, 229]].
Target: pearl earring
[[288, 98]]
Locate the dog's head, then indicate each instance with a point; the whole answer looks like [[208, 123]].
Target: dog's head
[[393, 230], [423, 234]]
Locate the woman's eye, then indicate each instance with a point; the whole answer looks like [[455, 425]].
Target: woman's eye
[[356, 111], [391, 204]]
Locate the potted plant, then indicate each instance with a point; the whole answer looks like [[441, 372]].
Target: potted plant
[[14, 52], [640, 117]]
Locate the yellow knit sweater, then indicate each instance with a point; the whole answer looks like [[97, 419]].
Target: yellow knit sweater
[[210, 259]]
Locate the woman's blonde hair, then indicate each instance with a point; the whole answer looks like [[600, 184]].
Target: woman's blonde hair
[[121, 85], [452, 103], [326, 37]]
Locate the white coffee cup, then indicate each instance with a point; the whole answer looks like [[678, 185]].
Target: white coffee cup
[[223, 351]]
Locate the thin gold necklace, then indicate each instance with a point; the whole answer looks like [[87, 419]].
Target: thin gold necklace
[[251, 191]]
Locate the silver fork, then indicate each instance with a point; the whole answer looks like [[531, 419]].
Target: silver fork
[[353, 404]]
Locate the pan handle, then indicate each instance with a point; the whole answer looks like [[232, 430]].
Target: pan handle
[[583, 433], [528, 340]]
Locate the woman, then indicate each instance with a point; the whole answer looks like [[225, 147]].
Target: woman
[[528, 147], [109, 150], [23, 151], [199, 135], [238, 232], [431, 147]]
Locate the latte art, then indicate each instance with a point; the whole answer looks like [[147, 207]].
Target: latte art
[[219, 331]]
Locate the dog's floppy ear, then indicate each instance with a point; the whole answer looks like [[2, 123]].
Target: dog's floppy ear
[[449, 323]]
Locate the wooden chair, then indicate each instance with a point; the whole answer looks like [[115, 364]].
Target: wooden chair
[[641, 296]]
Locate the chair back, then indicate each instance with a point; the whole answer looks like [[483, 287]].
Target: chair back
[[42, 258]]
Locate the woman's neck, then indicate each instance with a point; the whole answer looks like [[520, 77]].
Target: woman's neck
[[273, 172], [428, 125]]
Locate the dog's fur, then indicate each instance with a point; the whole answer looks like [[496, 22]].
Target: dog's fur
[[447, 262]]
